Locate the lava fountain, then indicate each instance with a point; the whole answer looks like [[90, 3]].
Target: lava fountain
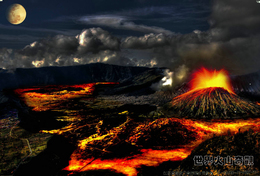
[[204, 79]]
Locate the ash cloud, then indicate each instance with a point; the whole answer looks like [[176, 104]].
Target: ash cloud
[[232, 42], [234, 19]]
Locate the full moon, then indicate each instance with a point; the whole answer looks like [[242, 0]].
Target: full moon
[[16, 14]]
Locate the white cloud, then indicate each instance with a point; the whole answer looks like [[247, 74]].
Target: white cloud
[[121, 22]]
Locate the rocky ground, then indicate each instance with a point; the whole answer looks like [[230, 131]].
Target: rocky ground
[[49, 153], [18, 145]]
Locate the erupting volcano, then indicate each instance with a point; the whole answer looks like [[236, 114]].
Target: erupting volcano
[[96, 133], [211, 96], [204, 79]]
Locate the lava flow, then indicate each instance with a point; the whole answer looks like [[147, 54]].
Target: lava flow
[[48, 97], [152, 157], [126, 147]]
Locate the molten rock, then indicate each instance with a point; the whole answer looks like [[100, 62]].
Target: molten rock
[[245, 144]]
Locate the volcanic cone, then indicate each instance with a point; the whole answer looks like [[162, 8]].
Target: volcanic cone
[[212, 102]]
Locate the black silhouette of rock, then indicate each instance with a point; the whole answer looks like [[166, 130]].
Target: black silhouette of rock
[[49, 162]]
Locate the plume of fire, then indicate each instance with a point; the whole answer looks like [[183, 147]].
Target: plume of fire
[[205, 79]]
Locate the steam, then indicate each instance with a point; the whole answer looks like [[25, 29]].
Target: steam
[[167, 80], [165, 83]]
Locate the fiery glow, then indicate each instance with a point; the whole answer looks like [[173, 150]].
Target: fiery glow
[[38, 63], [51, 96], [205, 78], [150, 157], [48, 98], [129, 165]]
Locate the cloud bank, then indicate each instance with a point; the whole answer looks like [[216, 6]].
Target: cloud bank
[[232, 42], [121, 22]]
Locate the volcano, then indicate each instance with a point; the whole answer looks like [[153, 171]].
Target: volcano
[[211, 97], [212, 102]]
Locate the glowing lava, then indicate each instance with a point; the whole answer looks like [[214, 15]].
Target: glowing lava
[[150, 157], [205, 79], [128, 165], [131, 132], [49, 97]]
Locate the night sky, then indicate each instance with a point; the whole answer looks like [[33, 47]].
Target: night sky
[[180, 34], [121, 18]]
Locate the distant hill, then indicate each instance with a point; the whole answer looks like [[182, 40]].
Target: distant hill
[[96, 72]]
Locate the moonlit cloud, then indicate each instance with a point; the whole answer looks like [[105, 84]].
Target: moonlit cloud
[[121, 22], [96, 39]]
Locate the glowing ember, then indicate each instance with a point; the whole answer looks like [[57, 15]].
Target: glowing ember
[[205, 79]]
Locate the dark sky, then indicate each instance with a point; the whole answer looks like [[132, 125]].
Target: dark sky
[[49, 18], [182, 35]]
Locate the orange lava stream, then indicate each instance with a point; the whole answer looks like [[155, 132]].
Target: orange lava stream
[[205, 78], [52, 98], [220, 128], [128, 166], [150, 157]]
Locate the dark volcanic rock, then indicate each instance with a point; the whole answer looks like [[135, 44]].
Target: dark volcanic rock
[[163, 133], [139, 84], [247, 85], [34, 121], [54, 158], [137, 109]]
